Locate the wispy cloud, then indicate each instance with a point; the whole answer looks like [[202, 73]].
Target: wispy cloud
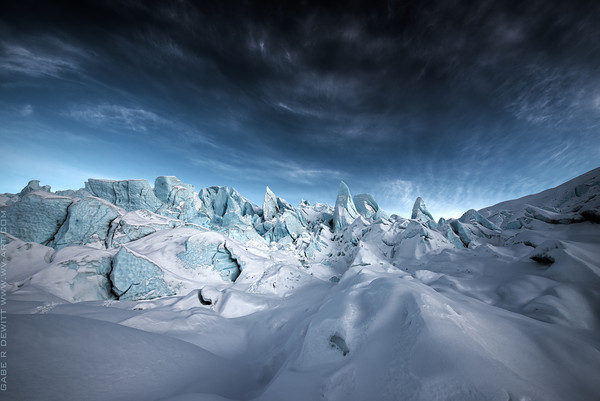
[[53, 59], [137, 120], [26, 110], [397, 194], [264, 169], [116, 116]]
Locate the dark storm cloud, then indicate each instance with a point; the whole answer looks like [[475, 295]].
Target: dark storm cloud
[[456, 101]]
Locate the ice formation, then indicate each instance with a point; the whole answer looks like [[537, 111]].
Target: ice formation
[[420, 212], [345, 211], [209, 250], [127, 194], [36, 216], [88, 221], [270, 207], [312, 301]]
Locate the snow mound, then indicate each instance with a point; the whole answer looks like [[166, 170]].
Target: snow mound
[[89, 359]]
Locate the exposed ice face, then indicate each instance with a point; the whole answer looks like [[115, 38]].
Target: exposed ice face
[[238, 227], [463, 233], [281, 221], [217, 208], [37, 216], [216, 201], [270, 207], [179, 198], [136, 277], [165, 188], [449, 234], [77, 274], [345, 211], [368, 207], [314, 216], [472, 216], [292, 222], [128, 194], [208, 250], [420, 213], [283, 205], [285, 225], [318, 243], [88, 221]]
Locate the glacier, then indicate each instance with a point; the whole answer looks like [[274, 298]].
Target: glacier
[[315, 301]]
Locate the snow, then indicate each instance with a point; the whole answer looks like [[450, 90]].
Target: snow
[[123, 291], [578, 195], [137, 224], [89, 359]]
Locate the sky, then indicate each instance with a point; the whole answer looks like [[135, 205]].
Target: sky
[[464, 103]]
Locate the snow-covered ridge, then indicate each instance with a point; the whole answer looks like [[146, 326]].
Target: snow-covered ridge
[[336, 302], [574, 201]]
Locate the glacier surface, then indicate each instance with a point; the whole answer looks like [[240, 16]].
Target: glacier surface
[[166, 292]]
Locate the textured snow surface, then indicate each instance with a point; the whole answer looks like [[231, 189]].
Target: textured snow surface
[[123, 291]]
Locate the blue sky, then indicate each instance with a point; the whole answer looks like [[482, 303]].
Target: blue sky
[[463, 105]]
